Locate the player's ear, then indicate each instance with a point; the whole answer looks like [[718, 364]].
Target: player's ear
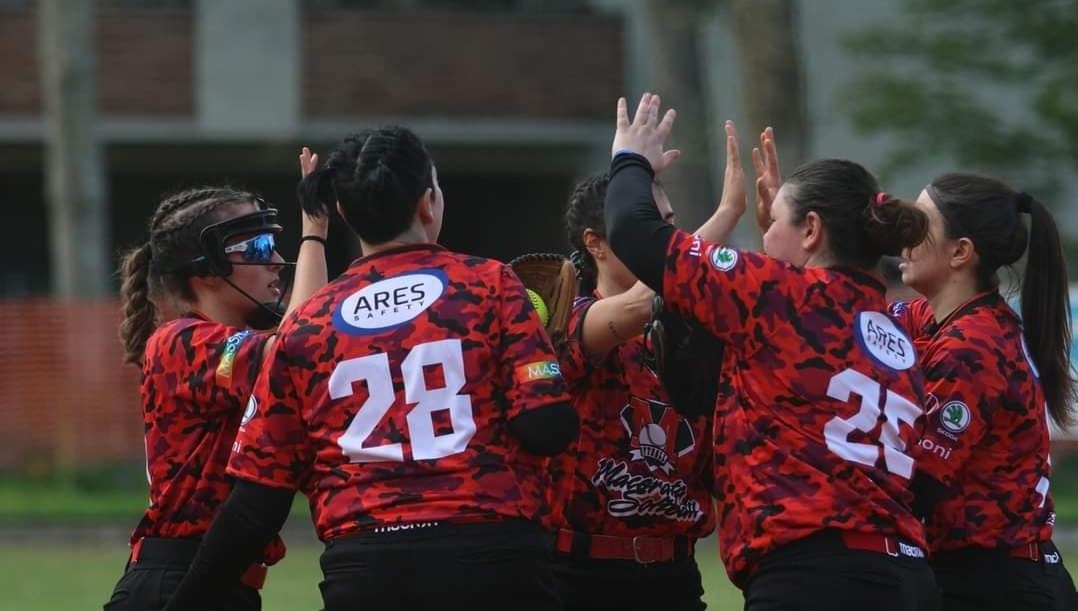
[[425, 209], [593, 242], [812, 237], [963, 253]]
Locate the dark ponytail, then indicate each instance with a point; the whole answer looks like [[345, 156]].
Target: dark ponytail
[[989, 213], [1046, 313], [315, 192], [862, 223], [585, 211], [137, 308], [377, 177]]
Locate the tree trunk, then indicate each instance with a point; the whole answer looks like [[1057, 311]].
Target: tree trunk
[[74, 174], [74, 185], [768, 44], [675, 28]]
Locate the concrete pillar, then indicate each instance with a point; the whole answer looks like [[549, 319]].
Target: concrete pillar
[[74, 170], [247, 65]]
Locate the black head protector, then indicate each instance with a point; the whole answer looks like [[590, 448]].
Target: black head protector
[[214, 260]]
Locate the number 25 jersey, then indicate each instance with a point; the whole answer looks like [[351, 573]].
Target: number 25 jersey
[[819, 403], [387, 396]]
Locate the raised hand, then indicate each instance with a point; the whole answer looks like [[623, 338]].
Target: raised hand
[[308, 162], [314, 222], [734, 196], [734, 199], [645, 134], [765, 160]]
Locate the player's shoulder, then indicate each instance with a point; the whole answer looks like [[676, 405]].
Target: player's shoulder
[[189, 341], [978, 342], [470, 269], [193, 331], [988, 322], [912, 314]]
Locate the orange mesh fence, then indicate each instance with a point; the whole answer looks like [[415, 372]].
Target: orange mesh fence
[[67, 401]]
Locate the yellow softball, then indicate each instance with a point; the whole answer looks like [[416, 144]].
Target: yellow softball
[[539, 305]]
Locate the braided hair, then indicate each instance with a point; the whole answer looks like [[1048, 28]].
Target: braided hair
[[377, 177], [585, 211], [153, 272]]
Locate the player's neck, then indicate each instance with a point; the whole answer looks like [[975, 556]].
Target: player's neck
[[414, 235], [219, 312], [608, 288], [957, 291]]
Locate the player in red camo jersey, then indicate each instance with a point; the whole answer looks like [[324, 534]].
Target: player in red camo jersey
[[822, 406], [633, 495], [994, 380], [412, 400], [211, 259]]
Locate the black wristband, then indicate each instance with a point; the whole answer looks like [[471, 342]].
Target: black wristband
[[313, 238]]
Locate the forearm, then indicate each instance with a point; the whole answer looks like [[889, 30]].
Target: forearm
[[719, 226], [311, 273], [636, 231], [613, 320]]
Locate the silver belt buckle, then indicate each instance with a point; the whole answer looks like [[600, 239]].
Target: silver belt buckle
[[636, 551]]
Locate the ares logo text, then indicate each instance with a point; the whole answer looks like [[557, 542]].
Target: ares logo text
[[389, 303]]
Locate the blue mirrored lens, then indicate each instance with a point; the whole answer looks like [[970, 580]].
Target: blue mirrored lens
[[260, 248]]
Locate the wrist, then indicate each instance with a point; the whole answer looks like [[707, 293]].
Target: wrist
[[313, 238]]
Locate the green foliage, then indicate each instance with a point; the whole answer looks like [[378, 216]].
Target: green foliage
[[932, 78]]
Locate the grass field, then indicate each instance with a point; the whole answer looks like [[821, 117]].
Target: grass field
[[75, 577], [81, 576], [43, 570]]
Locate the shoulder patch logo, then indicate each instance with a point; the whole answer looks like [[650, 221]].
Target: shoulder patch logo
[[539, 370], [389, 303], [723, 259], [954, 416], [228, 355], [884, 341]]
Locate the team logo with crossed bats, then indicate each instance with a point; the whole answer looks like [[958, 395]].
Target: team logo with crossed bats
[[658, 435]]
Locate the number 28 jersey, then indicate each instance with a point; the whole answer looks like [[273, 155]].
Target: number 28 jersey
[[820, 401], [387, 396]]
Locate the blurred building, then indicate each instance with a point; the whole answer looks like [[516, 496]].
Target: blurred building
[[514, 98]]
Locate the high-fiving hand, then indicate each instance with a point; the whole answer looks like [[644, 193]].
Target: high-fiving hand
[[768, 177], [734, 198], [645, 135]]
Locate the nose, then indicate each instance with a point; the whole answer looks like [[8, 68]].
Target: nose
[[275, 261]]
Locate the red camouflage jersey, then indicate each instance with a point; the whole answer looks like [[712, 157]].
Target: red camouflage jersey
[[637, 467], [388, 395], [819, 403], [986, 438], [197, 375]]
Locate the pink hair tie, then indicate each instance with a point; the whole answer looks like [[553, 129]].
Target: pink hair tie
[[880, 198]]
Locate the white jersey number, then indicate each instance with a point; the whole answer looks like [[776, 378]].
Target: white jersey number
[[375, 370], [896, 410]]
